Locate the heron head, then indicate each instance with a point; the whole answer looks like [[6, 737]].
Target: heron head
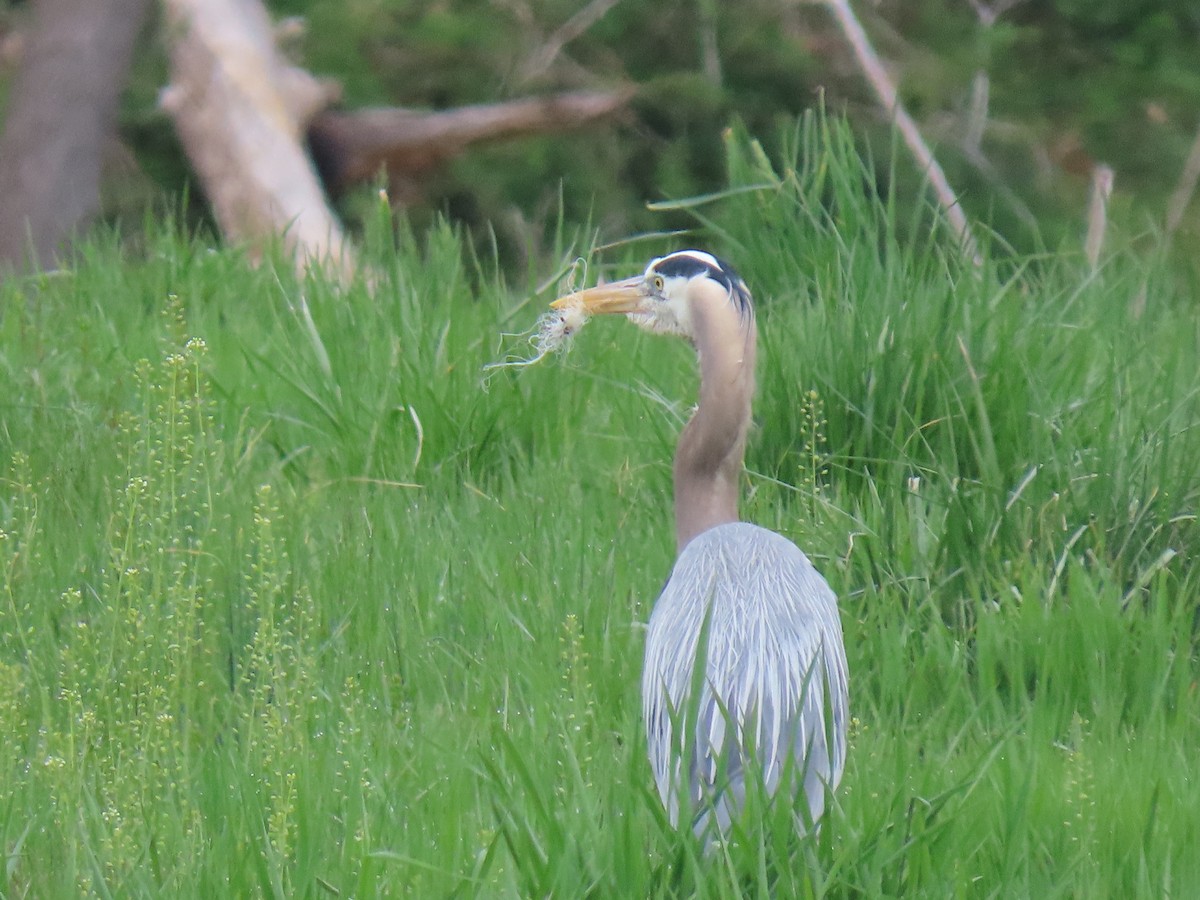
[[665, 298]]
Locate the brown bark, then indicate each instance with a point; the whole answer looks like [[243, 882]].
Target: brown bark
[[241, 109], [350, 147], [61, 111], [242, 113]]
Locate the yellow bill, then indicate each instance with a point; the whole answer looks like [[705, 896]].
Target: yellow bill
[[616, 297]]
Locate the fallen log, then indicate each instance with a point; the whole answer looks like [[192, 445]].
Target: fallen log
[[241, 111], [248, 120]]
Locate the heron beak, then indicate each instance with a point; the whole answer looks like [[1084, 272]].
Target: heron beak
[[617, 297]]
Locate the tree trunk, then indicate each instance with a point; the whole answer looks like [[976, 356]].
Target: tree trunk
[[243, 114], [61, 110], [241, 111]]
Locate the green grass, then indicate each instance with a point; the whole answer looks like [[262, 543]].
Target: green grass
[[296, 602]]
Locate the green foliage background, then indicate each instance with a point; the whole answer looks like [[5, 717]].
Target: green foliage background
[[1071, 84]]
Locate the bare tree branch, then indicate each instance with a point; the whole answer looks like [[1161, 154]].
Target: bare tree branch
[[886, 93], [543, 59], [248, 120], [353, 146]]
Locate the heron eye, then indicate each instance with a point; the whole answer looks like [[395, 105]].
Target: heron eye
[[658, 283]]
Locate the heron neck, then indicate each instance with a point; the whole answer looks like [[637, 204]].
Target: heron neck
[[711, 451]]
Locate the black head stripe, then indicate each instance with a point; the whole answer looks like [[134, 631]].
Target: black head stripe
[[690, 263]]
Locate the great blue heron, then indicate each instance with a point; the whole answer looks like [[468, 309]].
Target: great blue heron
[[772, 702]]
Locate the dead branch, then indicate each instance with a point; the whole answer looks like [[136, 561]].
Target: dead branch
[[885, 90], [350, 147], [540, 61], [244, 115]]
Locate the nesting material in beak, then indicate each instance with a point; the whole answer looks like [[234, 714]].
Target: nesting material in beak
[[553, 332], [568, 314]]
